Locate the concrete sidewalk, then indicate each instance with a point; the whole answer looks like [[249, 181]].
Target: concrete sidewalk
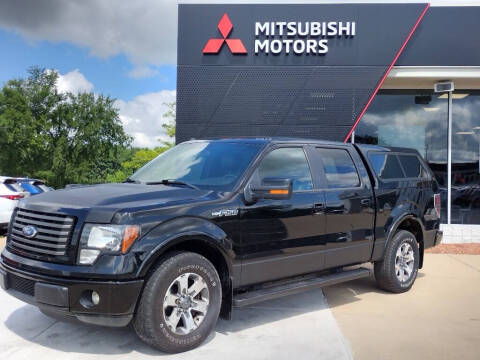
[[295, 327], [438, 319]]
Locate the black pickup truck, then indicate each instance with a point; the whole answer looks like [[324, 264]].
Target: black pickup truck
[[209, 225]]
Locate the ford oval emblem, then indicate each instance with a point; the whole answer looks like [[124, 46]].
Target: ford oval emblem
[[29, 231]]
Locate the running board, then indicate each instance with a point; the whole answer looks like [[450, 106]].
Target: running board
[[276, 291]]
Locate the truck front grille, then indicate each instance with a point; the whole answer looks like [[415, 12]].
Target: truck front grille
[[52, 238]]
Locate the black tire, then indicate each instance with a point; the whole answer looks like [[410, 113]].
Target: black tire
[[149, 322], [385, 272]]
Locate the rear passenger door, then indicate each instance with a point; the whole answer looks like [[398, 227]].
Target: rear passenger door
[[349, 205]]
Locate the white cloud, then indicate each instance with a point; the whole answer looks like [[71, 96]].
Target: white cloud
[[142, 117], [74, 82], [140, 72], [145, 31]]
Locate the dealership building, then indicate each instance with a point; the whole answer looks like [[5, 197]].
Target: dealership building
[[388, 74]]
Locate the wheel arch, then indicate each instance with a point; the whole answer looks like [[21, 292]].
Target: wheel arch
[[202, 237], [411, 223]]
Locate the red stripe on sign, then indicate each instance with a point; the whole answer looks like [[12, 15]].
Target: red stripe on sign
[[382, 80]]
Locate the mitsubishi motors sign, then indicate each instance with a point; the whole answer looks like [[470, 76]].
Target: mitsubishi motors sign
[[276, 37]]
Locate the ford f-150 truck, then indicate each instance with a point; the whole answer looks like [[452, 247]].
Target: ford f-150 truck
[[214, 224]]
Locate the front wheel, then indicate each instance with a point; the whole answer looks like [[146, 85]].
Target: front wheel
[[180, 304], [398, 269]]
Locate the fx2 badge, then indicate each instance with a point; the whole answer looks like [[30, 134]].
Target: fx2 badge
[[225, 212]]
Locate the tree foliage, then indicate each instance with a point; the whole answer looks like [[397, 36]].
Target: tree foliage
[[61, 138], [135, 161], [170, 125]]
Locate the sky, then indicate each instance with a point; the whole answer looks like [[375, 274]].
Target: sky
[[125, 49]]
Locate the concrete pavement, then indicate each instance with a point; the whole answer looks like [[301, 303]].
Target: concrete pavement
[[298, 326], [438, 319]]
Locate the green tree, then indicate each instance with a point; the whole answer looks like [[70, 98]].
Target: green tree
[[26, 106], [139, 157], [170, 125], [62, 138]]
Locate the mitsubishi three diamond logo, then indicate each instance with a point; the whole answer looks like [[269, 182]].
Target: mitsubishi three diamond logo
[[214, 45]]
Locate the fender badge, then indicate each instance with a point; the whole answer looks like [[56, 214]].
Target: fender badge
[[225, 212]]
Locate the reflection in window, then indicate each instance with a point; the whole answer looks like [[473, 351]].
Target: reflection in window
[[386, 166], [215, 165], [413, 119], [465, 157], [339, 168], [288, 163], [412, 166]]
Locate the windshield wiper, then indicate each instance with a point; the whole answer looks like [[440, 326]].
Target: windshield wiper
[[129, 180], [172, 182]]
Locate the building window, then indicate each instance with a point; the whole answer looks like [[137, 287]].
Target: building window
[[465, 157], [413, 119]]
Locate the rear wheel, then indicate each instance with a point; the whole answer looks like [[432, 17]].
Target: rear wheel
[[180, 304], [398, 269]]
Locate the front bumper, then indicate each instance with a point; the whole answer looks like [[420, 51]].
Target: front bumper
[[69, 298]]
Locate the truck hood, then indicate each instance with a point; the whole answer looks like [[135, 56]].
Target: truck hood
[[99, 203]]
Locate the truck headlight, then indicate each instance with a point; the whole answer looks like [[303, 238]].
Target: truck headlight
[[97, 239]]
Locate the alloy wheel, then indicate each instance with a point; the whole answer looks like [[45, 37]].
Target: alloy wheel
[[186, 303]]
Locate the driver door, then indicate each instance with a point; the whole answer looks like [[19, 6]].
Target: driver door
[[283, 238]]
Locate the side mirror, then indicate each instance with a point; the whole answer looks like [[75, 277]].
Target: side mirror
[[269, 188]]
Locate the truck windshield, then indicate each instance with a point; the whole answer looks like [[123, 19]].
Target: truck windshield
[[215, 165]]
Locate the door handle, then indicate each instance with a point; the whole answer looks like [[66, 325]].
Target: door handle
[[318, 208]]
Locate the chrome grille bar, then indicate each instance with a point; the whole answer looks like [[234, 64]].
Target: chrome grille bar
[[52, 237]]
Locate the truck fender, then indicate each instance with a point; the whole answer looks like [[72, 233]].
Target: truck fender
[[399, 220], [170, 233], [395, 227]]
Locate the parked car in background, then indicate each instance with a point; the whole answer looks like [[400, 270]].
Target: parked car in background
[[33, 186], [10, 192]]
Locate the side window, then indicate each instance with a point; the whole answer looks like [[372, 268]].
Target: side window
[[287, 163], [339, 168], [412, 166], [386, 166]]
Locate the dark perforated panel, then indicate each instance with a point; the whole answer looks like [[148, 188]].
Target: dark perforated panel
[[258, 94], [319, 102]]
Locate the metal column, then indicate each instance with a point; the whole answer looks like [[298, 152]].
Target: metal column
[[449, 159]]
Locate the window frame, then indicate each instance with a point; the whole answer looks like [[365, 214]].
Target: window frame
[[274, 147]]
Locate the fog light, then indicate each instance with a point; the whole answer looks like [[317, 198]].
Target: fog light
[[95, 298]]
